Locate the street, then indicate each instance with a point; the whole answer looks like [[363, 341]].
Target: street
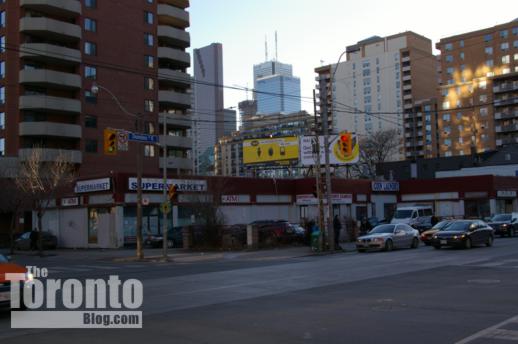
[[290, 296]]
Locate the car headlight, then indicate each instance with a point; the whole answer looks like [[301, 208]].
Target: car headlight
[[504, 225], [435, 236]]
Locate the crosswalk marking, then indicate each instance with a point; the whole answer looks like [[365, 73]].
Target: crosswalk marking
[[494, 332]]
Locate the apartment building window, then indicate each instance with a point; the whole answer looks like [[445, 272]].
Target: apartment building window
[[504, 34], [90, 25], [516, 57], [91, 3], [90, 97], [504, 46], [488, 38], [149, 84], [445, 92], [483, 111], [446, 117], [148, 17], [448, 47], [149, 106], [149, 1], [483, 84], [2, 44], [91, 146], [447, 142], [461, 55], [2, 95], [489, 50], [149, 151], [459, 116], [90, 121], [450, 70], [483, 98], [489, 63], [506, 70], [2, 69], [446, 105], [461, 43], [449, 58], [149, 61], [506, 59], [2, 19], [2, 147], [148, 39], [2, 120], [91, 72], [515, 44], [90, 49]]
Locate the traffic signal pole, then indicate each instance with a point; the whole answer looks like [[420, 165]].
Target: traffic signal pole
[[318, 180], [140, 246], [164, 191]]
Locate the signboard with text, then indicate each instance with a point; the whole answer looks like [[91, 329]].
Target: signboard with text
[[385, 186], [235, 199], [337, 156], [270, 150], [157, 184], [94, 185]]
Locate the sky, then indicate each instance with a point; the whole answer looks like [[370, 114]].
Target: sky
[[314, 32]]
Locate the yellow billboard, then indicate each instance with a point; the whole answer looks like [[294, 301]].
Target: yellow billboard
[[271, 150]]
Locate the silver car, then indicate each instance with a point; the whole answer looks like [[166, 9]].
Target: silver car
[[388, 237]]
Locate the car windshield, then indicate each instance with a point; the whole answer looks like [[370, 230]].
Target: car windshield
[[501, 218], [457, 226], [403, 214], [383, 229], [441, 225], [3, 259]]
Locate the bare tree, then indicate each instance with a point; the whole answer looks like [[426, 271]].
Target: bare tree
[[374, 149], [42, 181]]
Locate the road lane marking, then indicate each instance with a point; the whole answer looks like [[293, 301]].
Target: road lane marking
[[492, 332]]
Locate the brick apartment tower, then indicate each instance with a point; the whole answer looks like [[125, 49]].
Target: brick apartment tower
[[55, 50], [479, 90]]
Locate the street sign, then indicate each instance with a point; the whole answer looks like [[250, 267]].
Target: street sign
[[137, 137], [122, 140], [165, 207]]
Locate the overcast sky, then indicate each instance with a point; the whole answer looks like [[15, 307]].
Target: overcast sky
[[312, 31]]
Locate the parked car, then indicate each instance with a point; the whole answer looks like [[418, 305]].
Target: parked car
[[276, 232], [174, 239], [388, 237], [48, 241], [426, 236], [411, 215], [464, 233], [5, 286], [505, 224], [300, 232]]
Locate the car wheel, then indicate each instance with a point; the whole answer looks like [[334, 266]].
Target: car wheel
[[467, 244], [489, 241], [170, 243], [389, 245], [415, 243], [428, 244], [361, 250], [437, 247]]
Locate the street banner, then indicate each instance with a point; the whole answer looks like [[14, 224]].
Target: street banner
[[271, 150]]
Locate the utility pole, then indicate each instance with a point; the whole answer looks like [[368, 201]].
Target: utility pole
[[325, 127], [318, 179], [164, 191], [140, 252]]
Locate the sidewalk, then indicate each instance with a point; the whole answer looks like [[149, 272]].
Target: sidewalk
[[179, 255]]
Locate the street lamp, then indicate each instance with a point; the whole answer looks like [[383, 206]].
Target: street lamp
[[95, 90]]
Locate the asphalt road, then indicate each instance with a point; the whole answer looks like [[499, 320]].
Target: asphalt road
[[406, 296]]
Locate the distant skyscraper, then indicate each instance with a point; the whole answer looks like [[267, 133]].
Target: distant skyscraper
[[209, 118], [230, 120], [277, 90]]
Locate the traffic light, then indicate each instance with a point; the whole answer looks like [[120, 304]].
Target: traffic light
[[110, 142], [346, 144], [172, 191]]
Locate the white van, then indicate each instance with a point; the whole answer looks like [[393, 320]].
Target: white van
[[411, 215]]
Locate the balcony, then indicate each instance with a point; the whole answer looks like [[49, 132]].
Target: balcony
[[507, 128], [50, 129], [50, 29], [173, 36], [174, 77], [177, 3], [50, 53], [45, 77], [506, 87], [45, 103], [180, 100], [177, 163], [405, 69], [503, 115], [176, 141], [506, 102], [177, 120], [406, 78], [407, 97], [405, 59], [507, 141], [179, 57], [51, 154], [61, 8], [174, 16], [407, 87]]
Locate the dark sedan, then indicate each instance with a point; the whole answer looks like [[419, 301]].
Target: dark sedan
[[48, 241], [465, 234], [505, 224]]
